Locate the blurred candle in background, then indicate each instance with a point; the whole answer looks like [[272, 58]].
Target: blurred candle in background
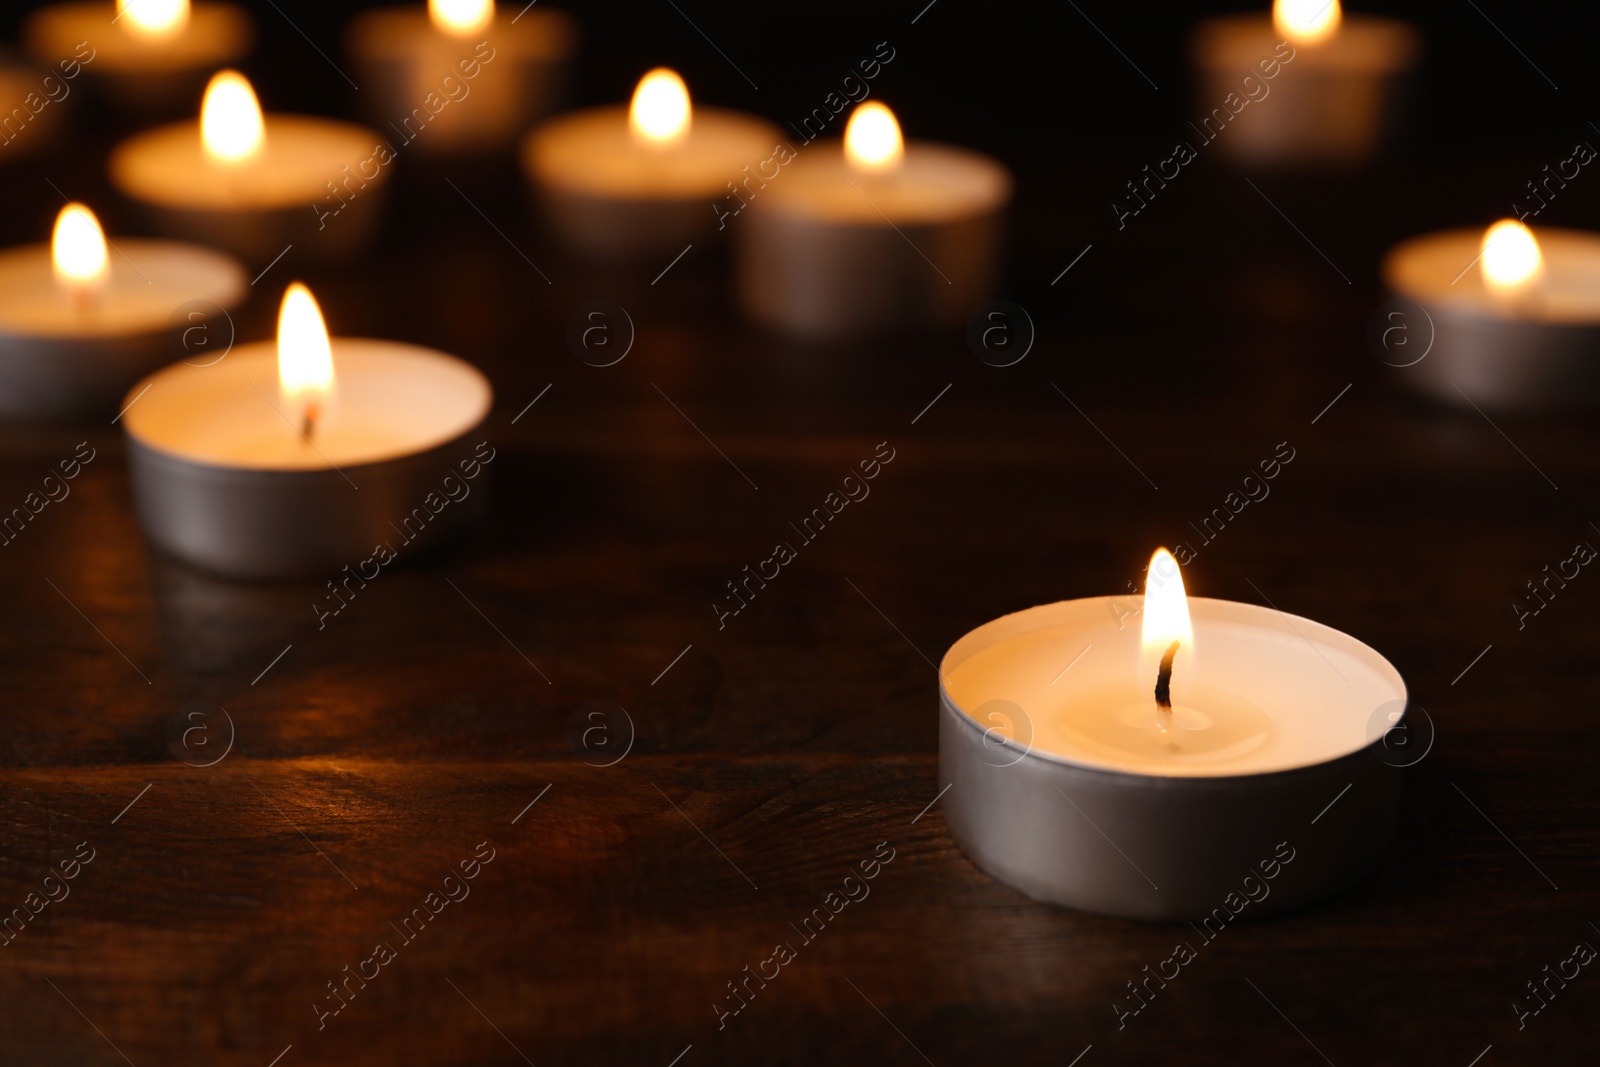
[[872, 234], [256, 184], [79, 323], [1501, 319], [150, 56], [641, 181], [457, 76], [1305, 86]]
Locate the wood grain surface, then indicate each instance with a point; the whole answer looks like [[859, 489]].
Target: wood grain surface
[[267, 800]]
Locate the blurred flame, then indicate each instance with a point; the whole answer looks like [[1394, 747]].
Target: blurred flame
[[872, 140], [155, 18], [78, 251], [1306, 21], [305, 357], [1510, 259], [459, 18], [231, 127], [660, 111]]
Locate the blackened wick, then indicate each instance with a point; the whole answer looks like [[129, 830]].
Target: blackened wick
[[1164, 679]]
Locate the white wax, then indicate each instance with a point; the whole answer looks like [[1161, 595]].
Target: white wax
[[216, 35], [168, 166], [593, 153], [1442, 270], [1265, 691], [1363, 44], [149, 282], [933, 184], [391, 400]]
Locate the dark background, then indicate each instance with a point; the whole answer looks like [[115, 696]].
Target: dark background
[[799, 737]]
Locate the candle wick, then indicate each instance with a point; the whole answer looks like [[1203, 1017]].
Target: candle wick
[[83, 300], [1164, 679], [309, 422]]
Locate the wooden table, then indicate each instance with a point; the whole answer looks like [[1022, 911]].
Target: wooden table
[[666, 798]]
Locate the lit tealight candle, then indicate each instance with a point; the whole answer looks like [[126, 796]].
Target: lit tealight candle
[[871, 235], [642, 181], [1508, 319], [155, 56], [458, 77], [1305, 86], [300, 456], [255, 184], [79, 324], [1196, 740]]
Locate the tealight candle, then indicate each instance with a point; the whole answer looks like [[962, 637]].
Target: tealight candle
[[872, 235], [307, 456], [152, 55], [1145, 770], [1306, 86], [79, 324], [457, 77], [639, 181], [256, 184], [1509, 320]]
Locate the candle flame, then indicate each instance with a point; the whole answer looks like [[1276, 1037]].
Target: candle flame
[[1166, 656], [660, 112], [1306, 21], [305, 356], [78, 251], [1511, 260], [157, 19], [1166, 607], [231, 127], [461, 18], [872, 140]]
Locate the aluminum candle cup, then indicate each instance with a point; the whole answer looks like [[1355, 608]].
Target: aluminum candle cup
[[1270, 99], [1529, 351], [61, 359], [451, 93], [637, 183], [826, 250], [144, 70], [1066, 790], [256, 184], [223, 480]]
